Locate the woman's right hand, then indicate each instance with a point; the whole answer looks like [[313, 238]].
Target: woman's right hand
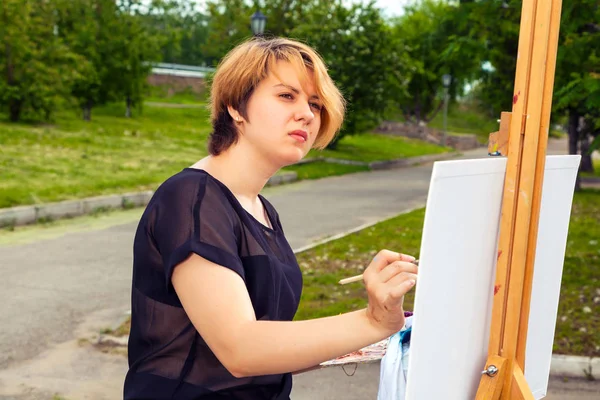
[[387, 279]]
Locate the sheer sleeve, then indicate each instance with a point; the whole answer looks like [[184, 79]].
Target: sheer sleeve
[[193, 216]]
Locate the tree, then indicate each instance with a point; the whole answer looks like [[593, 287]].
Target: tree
[[577, 82], [181, 27], [365, 60], [229, 24], [577, 79], [439, 40], [229, 21], [37, 69], [79, 25], [118, 45], [135, 49]]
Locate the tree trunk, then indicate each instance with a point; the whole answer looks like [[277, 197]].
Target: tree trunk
[[574, 140], [87, 111], [418, 109], [573, 131], [585, 136], [434, 112], [128, 109], [14, 109], [14, 105], [586, 158]]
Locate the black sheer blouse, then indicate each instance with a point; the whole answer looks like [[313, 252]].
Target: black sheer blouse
[[194, 212]]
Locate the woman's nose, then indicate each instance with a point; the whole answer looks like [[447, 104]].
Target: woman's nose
[[305, 113]]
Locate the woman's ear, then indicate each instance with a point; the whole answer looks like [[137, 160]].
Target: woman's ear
[[235, 114]]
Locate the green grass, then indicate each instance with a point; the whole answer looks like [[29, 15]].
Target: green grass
[[320, 169], [110, 154], [596, 163], [323, 266], [577, 326], [462, 119], [377, 147], [72, 158]]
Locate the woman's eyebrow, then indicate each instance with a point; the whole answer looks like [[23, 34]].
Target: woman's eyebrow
[[293, 89]]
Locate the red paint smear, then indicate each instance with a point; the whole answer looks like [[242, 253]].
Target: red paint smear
[[516, 97], [496, 289], [499, 253]]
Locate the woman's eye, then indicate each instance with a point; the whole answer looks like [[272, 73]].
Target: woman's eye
[[316, 106], [287, 96]]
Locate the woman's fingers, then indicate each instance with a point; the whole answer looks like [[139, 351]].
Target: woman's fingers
[[401, 284], [395, 268], [406, 257], [383, 259]]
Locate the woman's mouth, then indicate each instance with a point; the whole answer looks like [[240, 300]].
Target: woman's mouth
[[299, 135]]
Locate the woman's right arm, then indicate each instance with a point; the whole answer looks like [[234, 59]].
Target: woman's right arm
[[218, 304]]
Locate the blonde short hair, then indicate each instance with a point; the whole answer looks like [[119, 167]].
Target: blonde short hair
[[241, 70]]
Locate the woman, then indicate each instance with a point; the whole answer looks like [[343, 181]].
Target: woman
[[215, 283]]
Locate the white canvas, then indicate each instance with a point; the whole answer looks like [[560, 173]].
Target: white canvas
[[453, 300]]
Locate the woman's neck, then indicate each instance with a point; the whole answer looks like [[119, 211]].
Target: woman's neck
[[243, 171]]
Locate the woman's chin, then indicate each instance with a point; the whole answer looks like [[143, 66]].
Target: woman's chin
[[291, 157]]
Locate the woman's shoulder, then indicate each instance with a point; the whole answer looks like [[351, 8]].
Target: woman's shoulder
[[189, 183], [191, 189]]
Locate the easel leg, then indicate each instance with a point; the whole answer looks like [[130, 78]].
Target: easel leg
[[520, 389], [490, 386]]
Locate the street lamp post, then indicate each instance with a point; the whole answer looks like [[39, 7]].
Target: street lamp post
[[257, 23], [446, 80]]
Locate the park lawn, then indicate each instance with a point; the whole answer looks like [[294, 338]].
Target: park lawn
[[596, 163], [462, 119], [322, 169], [111, 154], [377, 147], [578, 321], [72, 158]]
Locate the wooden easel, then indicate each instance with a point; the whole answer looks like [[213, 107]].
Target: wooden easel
[[523, 136]]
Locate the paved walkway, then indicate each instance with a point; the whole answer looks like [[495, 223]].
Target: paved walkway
[[67, 281]]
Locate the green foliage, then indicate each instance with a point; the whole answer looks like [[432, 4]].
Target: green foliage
[[497, 24], [117, 45], [577, 82], [364, 59], [438, 38], [577, 79], [229, 24], [183, 29], [37, 69], [135, 49]]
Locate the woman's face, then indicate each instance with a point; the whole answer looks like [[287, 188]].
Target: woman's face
[[283, 119]]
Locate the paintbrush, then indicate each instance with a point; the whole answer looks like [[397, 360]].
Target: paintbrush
[[360, 277]]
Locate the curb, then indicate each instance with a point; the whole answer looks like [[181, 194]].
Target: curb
[[25, 215], [412, 161]]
